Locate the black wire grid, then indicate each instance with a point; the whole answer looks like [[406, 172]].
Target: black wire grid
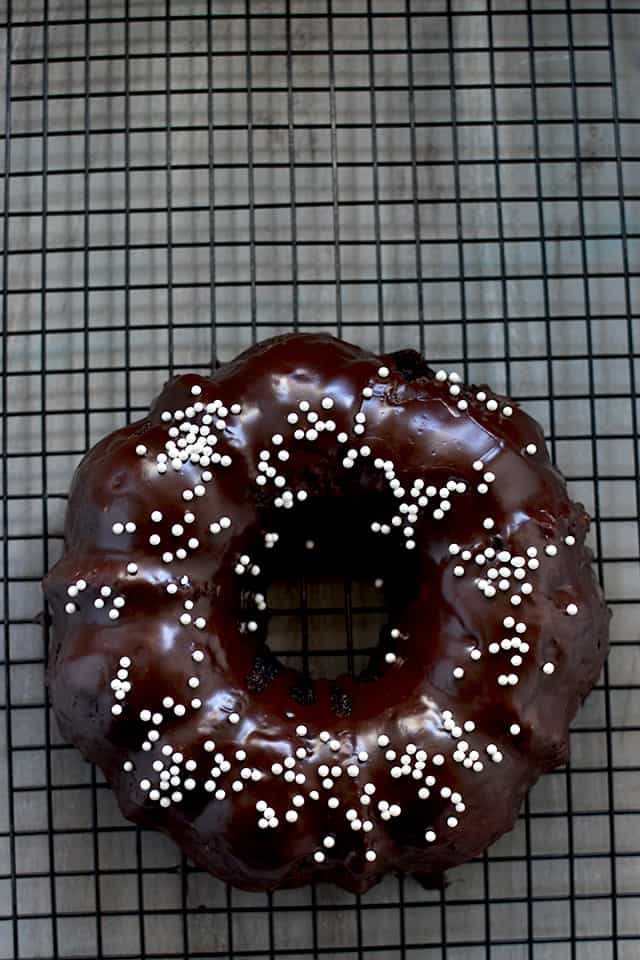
[[182, 178]]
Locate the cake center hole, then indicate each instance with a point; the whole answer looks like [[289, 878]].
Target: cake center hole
[[332, 587], [325, 625]]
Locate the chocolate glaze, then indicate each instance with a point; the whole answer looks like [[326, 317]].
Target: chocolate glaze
[[413, 419]]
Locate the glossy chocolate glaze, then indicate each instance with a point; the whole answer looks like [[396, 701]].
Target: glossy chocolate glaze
[[418, 421]]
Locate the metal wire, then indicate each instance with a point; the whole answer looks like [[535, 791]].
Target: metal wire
[[184, 178]]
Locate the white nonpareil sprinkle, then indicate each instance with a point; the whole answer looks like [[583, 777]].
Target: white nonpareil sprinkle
[[548, 668], [383, 372], [141, 449], [571, 609], [531, 449]]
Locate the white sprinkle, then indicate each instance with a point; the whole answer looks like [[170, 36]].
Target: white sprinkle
[[383, 372], [430, 836], [548, 668], [478, 465], [569, 540], [458, 673], [458, 571], [531, 449], [571, 609], [116, 709], [319, 856], [118, 528], [438, 760], [488, 523], [390, 657], [196, 390], [514, 729], [234, 717]]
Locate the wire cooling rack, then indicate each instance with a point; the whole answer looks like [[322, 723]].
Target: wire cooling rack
[[181, 178]]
